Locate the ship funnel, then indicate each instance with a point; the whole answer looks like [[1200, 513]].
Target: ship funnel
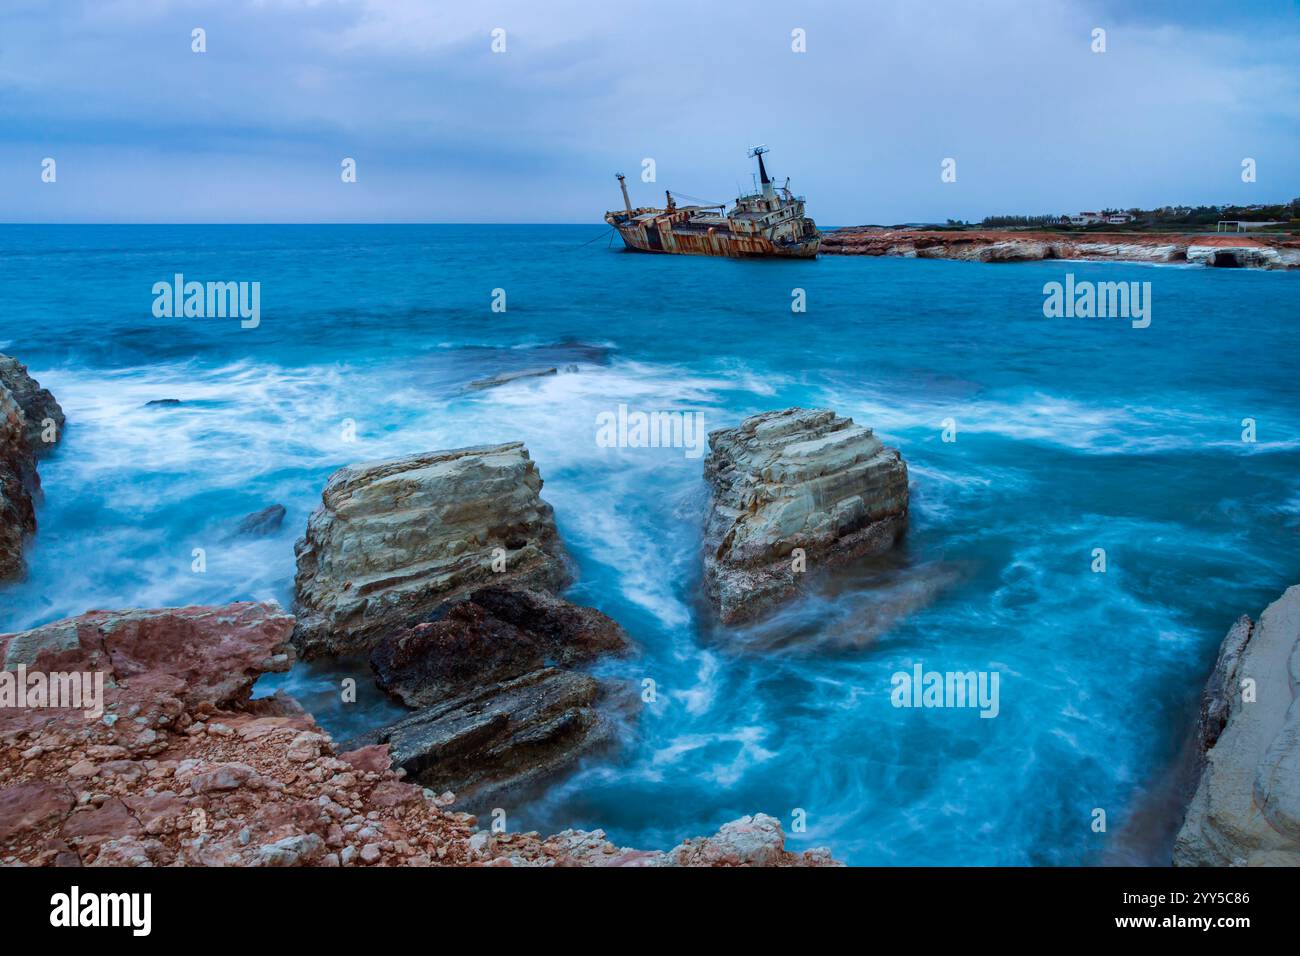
[[626, 201], [768, 191]]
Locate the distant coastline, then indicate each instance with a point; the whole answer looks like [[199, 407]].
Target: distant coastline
[[1280, 251]]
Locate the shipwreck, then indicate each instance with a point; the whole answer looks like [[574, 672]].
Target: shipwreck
[[770, 222]]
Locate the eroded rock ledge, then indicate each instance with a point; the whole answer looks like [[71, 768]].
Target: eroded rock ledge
[[394, 540], [798, 478], [1246, 809], [183, 769]]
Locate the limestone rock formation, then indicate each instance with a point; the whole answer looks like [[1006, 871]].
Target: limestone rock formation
[[43, 415], [394, 540], [182, 768], [798, 478], [1246, 809]]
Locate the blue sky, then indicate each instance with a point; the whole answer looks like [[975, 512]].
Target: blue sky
[[444, 130]]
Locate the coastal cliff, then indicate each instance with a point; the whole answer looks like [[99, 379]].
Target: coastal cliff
[[1246, 808], [1227, 249], [180, 767]]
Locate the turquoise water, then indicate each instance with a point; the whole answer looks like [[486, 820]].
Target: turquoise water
[[1072, 434]]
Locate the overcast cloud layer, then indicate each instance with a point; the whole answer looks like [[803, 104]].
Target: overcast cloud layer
[[444, 130]]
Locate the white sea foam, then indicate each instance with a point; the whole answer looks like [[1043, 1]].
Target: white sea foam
[[1091, 428]]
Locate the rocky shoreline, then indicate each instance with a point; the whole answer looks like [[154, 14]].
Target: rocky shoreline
[[181, 768], [1224, 249], [444, 570]]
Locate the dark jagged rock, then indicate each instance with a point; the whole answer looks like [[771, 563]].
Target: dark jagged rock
[[496, 712], [163, 403], [494, 635], [17, 476], [31, 422], [491, 741], [44, 416], [260, 523], [432, 662]]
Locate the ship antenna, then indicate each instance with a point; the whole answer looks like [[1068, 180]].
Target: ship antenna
[[758, 152]]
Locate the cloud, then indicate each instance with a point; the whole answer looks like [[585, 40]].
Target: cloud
[[445, 130]]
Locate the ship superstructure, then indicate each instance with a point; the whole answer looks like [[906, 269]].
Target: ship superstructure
[[770, 222]]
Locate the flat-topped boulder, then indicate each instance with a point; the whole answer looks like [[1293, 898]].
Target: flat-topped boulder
[[795, 479], [1246, 809], [394, 540]]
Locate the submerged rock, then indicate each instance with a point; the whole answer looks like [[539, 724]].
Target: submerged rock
[[1246, 808], [182, 769], [260, 523], [798, 478], [506, 377], [44, 417], [394, 540]]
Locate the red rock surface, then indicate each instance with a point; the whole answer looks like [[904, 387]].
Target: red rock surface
[[182, 769]]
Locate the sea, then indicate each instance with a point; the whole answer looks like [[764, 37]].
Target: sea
[[1092, 503]]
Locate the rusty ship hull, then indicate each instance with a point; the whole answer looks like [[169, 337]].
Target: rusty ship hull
[[767, 224], [675, 234]]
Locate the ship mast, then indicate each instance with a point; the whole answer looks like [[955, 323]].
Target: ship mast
[[623, 185]]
